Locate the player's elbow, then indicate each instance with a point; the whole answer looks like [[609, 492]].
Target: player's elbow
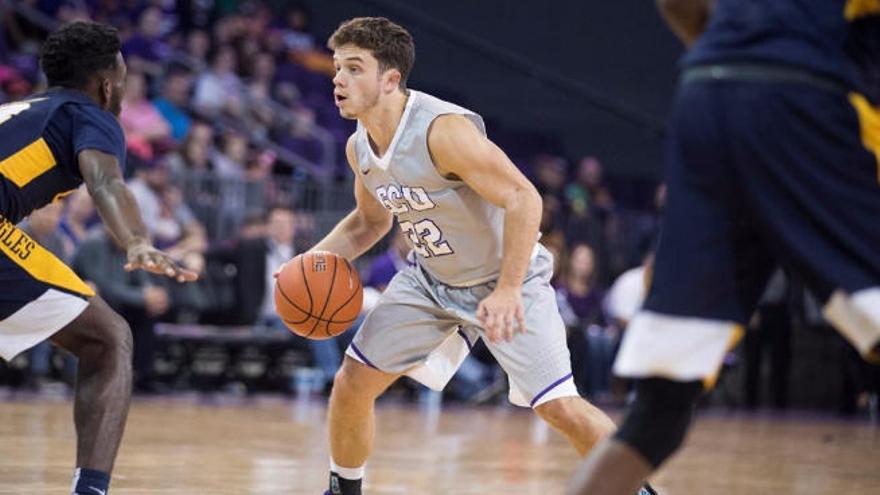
[[105, 189], [377, 222], [528, 196]]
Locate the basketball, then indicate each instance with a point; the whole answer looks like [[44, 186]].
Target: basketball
[[318, 295]]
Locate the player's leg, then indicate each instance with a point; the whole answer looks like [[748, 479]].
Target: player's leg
[[351, 420], [582, 423], [710, 270], [821, 201], [102, 342], [44, 299], [399, 334], [538, 364]]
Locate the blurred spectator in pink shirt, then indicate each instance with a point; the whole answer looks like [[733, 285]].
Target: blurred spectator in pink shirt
[[144, 126]]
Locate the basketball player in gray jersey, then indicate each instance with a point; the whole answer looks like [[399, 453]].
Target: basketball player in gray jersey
[[472, 220]]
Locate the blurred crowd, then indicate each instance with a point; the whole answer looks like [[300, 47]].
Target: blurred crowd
[[236, 158]]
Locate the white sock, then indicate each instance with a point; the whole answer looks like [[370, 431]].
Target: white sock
[[355, 473]]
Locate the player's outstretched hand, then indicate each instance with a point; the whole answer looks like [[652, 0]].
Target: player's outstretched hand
[[501, 314], [143, 256]]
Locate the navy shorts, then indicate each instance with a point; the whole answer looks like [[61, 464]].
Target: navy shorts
[[760, 174], [39, 294]]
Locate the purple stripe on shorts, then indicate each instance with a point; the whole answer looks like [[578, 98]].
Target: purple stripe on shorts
[[363, 358], [466, 341], [553, 385]]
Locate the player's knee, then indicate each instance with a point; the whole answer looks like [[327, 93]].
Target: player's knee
[[353, 380], [111, 341], [659, 418], [563, 413]]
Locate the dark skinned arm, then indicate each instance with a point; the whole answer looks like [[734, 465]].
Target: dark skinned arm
[[121, 216]]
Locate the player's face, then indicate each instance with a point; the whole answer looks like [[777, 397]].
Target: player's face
[[114, 86], [357, 85]]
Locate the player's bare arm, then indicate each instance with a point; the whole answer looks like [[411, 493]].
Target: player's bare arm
[[459, 149], [119, 211], [364, 226], [686, 18]]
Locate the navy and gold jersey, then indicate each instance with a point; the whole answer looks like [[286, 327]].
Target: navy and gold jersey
[[40, 138], [839, 39]]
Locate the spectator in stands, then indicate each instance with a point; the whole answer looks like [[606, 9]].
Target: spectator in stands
[[139, 297], [173, 103], [113, 12], [300, 43], [259, 93], [198, 45], [550, 175], [230, 161], [298, 137], [194, 153], [279, 249], [145, 50], [580, 301], [13, 86], [627, 293], [588, 189], [169, 221], [219, 89], [20, 32], [145, 128], [256, 260], [78, 219]]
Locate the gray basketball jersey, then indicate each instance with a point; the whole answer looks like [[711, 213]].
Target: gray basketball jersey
[[455, 234]]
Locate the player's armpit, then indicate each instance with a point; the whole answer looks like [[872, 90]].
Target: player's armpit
[[458, 148]]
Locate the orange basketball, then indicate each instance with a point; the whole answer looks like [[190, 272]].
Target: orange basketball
[[318, 294]]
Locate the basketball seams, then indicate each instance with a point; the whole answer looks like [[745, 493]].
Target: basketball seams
[[295, 305], [320, 317], [351, 273], [288, 303], [309, 315]]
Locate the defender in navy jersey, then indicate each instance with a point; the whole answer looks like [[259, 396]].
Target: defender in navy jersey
[[773, 158], [50, 144], [471, 219]]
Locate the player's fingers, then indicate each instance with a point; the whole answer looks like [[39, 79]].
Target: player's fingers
[[509, 326], [187, 275], [492, 335], [488, 324], [278, 270], [521, 319], [481, 313]]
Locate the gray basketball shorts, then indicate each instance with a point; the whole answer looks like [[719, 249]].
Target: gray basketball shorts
[[425, 329]]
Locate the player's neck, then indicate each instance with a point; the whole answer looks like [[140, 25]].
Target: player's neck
[[382, 121]]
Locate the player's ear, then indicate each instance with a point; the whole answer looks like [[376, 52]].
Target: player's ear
[[391, 80], [106, 91]]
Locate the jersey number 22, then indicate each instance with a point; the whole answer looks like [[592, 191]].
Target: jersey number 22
[[426, 238]]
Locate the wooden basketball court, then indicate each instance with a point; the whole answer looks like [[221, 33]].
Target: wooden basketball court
[[217, 446]]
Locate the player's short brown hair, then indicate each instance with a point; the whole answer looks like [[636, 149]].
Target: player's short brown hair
[[390, 43]]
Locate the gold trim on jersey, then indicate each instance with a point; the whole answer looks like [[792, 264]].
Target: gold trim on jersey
[[738, 333], [869, 121], [28, 163], [38, 261], [856, 9]]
